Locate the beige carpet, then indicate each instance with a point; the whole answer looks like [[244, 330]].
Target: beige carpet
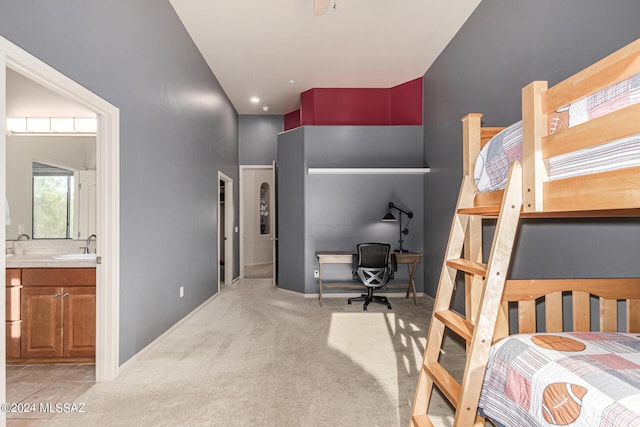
[[259, 271], [256, 356]]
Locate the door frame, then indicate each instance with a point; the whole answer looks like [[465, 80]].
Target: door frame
[[228, 229], [107, 201], [244, 168]]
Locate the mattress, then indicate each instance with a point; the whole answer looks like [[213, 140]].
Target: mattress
[[494, 160], [578, 379]]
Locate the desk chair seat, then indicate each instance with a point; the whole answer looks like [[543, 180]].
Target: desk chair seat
[[373, 266]]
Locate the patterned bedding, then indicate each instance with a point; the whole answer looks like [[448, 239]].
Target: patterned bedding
[[578, 379], [492, 165]]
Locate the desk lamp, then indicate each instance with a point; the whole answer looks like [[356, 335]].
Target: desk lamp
[[389, 217]]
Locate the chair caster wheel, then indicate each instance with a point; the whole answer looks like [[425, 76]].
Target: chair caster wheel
[[349, 302], [389, 307], [364, 308]]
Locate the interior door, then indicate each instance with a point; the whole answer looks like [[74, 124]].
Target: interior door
[[274, 229], [258, 237], [222, 232]]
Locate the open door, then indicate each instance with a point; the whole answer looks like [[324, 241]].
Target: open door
[[274, 222], [225, 230], [257, 221], [221, 233]]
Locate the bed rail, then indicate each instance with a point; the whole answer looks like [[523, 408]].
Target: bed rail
[[538, 101], [613, 193], [599, 297]]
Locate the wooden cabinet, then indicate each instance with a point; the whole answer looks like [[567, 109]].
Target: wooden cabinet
[[12, 310], [58, 313], [42, 328], [79, 322]]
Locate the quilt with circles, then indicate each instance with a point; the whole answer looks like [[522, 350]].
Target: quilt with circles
[[564, 379]]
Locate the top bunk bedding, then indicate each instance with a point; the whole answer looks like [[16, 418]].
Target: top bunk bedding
[[494, 160]]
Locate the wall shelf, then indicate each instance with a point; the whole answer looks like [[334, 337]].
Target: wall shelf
[[350, 171]]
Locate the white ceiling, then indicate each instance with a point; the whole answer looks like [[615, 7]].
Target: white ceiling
[[256, 47], [25, 98]]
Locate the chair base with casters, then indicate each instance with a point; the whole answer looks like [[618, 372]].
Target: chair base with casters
[[374, 266], [369, 297]]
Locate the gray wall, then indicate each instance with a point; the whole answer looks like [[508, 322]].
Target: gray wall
[[177, 130], [258, 138], [501, 48], [335, 212], [292, 170]]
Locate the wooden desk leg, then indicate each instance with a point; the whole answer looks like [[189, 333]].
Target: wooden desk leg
[[320, 280], [412, 287]]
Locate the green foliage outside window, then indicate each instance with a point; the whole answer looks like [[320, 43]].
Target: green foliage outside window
[[52, 206]]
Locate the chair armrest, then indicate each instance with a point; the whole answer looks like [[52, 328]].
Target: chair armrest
[[354, 267]]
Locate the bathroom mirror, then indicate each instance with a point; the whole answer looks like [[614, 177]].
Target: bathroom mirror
[[69, 156], [51, 196]]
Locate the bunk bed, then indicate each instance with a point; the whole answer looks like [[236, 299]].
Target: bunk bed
[[576, 153]]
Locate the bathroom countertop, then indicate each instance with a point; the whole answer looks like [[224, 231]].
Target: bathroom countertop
[[46, 260]]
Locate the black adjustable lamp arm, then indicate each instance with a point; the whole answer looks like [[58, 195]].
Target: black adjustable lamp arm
[[398, 208], [403, 230]]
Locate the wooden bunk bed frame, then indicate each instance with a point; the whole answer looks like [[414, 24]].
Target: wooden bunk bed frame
[[530, 194]]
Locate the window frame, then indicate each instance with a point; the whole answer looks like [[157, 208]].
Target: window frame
[[71, 226]]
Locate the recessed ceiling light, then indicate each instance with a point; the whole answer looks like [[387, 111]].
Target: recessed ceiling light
[[255, 99], [265, 108], [292, 81]]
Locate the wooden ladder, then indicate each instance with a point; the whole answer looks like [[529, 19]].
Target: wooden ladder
[[477, 331]]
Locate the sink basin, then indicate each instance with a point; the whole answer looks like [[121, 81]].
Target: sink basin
[[80, 257]]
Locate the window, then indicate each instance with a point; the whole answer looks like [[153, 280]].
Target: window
[[53, 202]]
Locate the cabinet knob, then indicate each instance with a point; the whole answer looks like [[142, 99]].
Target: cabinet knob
[[56, 295], [66, 294]]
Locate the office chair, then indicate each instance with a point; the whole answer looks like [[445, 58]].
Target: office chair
[[373, 266]]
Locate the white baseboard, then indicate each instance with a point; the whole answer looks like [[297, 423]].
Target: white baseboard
[[357, 294], [345, 294], [291, 293]]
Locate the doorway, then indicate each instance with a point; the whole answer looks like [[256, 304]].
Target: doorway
[[107, 198], [258, 235], [225, 230]]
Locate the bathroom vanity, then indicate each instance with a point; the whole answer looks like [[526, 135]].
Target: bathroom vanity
[[50, 309]]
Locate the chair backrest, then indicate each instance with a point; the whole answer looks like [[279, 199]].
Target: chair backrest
[[373, 255], [373, 264]]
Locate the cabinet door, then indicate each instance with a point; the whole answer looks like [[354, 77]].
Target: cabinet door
[[41, 312], [12, 312], [13, 284], [79, 334]]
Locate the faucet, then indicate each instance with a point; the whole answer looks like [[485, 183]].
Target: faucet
[[25, 235], [87, 248]]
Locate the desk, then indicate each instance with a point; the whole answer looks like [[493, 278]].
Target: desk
[[344, 257]]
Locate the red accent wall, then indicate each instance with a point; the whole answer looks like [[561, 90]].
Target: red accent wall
[[399, 105], [292, 120], [348, 106], [406, 103]]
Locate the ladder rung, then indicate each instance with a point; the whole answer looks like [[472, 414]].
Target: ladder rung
[[486, 210], [421, 421], [444, 381], [468, 266], [456, 323]]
